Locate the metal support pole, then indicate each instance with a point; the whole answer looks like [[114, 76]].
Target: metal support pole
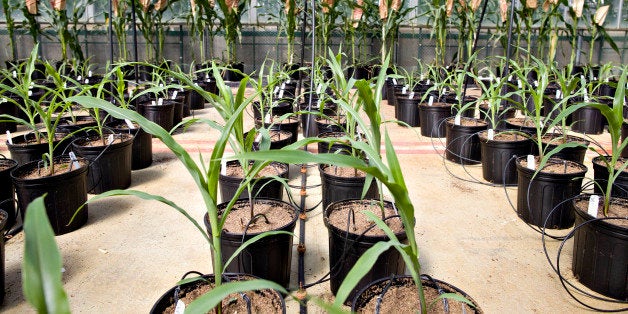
[[111, 32], [135, 56]]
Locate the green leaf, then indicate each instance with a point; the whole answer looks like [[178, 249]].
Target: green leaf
[[361, 267], [453, 296], [41, 267], [212, 298]]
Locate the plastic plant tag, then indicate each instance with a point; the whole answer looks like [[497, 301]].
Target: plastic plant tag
[[558, 94], [180, 308], [280, 93], [430, 102], [160, 101], [161, 84], [404, 89], [75, 163], [65, 85], [86, 81], [536, 83], [428, 81], [287, 82], [223, 167], [519, 84], [129, 124], [79, 78], [594, 202], [30, 93], [531, 162], [276, 90], [457, 119], [174, 94], [258, 138], [318, 88], [393, 80], [14, 74], [267, 118], [153, 103], [411, 95], [586, 96], [490, 134], [283, 86], [9, 139], [109, 139], [89, 73]]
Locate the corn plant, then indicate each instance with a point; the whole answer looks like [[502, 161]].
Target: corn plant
[[205, 175]]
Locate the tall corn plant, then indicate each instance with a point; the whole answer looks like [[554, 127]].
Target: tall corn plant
[[231, 21], [386, 169], [205, 175]]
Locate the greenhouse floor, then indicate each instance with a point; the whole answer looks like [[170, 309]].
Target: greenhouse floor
[[131, 251]]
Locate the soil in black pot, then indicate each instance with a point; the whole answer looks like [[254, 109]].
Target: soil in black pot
[[264, 186]]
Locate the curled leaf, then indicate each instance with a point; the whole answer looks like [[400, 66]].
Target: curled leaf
[[600, 15]]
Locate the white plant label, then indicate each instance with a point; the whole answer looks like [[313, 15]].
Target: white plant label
[[30, 93], [404, 89], [586, 96], [280, 93], [287, 82], [9, 139], [318, 88], [75, 163], [267, 118], [411, 95], [428, 81], [594, 202], [444, 91], [431, 100], [393, 80], [86, 81], [207, 76], [457, 119], [89, 73], [160, 102], [174, 94], [153, 103], [180, 308], [79, 78], [110, 139], [536, 83], [531, 162], [65, 85], [558, 94], [129, 124], [161, 84], [491, 134], [223, 167], [283, 85], [14, 74], [519, 84], [258, 138], [276, 90]]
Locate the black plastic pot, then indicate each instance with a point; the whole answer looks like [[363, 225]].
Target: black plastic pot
[[24, 150], [163, 115], [336, 148], [537, 198], [278, 109], [359, 72], [503, 113], [624, 135], [290, 124], [171, 296], [569, 153], [330, 125], [278, 140], [232, 76], [600, 253], [407, 110], [498, 164], [6, 190], [521, 125], [195, 100], [4, 225], [268, 258], [462, 141], [266, 187], [587, 120], [432, 118], [142, 148], [600, 176], [177, 110], [325, 108], [345, 248], [8, 108], [337, 188], [377, 288], [67, 191], [110, 165]]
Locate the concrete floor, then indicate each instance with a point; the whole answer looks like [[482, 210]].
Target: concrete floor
[[131, 251]]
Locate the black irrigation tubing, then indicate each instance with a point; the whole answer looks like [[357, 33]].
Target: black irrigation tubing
[[380, 297], [566, 283]]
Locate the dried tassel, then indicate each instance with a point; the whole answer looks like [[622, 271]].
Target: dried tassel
[[31, 5], [212, 3], [532, 4], [161, 5], [145, 5], [475, 4], [357, 13], [327, 5], [383, 9], [578, 6], [600, 15], [503, 10], [395, 5], [449, 7], [114, 5], [58, 5]]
